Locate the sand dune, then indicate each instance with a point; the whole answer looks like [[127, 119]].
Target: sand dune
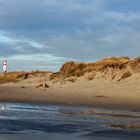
[[112, 82]]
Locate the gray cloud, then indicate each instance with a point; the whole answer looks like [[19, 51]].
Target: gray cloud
[[82, 30]]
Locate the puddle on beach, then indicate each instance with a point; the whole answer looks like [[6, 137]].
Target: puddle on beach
[[24, 121]]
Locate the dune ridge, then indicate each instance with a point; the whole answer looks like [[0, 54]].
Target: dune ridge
[[110, 82], [113, 68]]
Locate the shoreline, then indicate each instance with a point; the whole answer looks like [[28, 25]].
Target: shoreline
[[112, 107], [31, 96]]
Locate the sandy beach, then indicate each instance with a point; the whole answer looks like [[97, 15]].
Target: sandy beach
[[101, 93], [110, 83]]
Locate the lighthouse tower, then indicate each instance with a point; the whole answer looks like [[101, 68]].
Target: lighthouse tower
[[5, 66]]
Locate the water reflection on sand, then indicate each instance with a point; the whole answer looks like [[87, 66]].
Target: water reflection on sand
[[24, 121]]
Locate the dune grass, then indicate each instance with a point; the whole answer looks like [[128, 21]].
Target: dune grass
[[16, 76]]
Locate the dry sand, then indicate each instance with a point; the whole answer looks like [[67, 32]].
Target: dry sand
[[98, 92]]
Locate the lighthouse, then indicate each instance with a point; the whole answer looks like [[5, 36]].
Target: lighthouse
[[5, 69], [5, 66]]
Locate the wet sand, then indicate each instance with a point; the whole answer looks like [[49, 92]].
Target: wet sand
[[38, 96]]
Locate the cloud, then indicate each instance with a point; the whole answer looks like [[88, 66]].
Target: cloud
[[34, 62], [129, 16], [33, 31], [19, 45]]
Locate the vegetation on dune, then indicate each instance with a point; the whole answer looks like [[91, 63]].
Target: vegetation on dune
[[79, 69], [126, 75], [16, 76], [135, 64], [113, 68], [11, 77]]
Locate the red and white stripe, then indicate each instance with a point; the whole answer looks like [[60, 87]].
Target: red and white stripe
[[5, 65]]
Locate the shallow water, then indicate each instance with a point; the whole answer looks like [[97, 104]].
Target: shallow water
[[35, 122]]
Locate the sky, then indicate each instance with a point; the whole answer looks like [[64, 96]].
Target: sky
[[44, 34]]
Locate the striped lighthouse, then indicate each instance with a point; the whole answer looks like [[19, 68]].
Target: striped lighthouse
[[5, 66]]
